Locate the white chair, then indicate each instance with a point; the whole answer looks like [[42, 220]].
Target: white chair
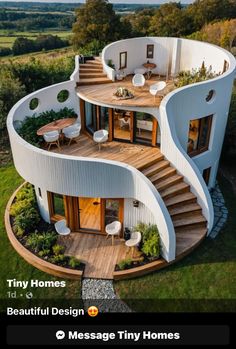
[[113, 229], [61, 228], [155, 88], [140, 71], [100, 136], [134, 241], [51, 138], [138, 80], [72, 132]]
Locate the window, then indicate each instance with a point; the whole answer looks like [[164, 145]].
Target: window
[[123, 60], [40, 193], [143, 128], [199, 135], [206, 174], [104, 118], [113, 210], [150, 51], [56, 205], [90, 117]]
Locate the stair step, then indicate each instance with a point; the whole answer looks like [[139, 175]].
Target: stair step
[[178, 188], [94, 81], [186, 241], [87, 70], [91, 66], [167, 172], [156, 167], [93, 62], [185, 209], [92, 75], [179, 200], [168, 182], [189, 220], [154, 159]]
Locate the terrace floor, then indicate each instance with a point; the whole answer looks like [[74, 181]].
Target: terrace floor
[[96, 252], [135, 155], [104, 93]]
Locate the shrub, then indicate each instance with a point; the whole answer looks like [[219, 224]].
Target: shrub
[[58, 249], [74, 262], [39, 242], [26, 221], [25, 200], [30, 125], [59, 259], [44, 253], [195, 75], [124, 264], [150, 239]]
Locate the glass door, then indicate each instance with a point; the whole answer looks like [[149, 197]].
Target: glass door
[[90, 117], [122, 125], [104, 118], [143, 128], [90, 214]]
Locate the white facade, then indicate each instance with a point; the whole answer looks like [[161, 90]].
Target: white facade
[[79, 176]]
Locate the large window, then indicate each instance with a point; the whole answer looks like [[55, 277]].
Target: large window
[[90, 117], [104, 118], [199, 135], [56, 205], [143, 127]]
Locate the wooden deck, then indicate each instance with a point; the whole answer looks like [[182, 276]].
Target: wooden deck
[[104, 93], [96, 252], [135, 155]]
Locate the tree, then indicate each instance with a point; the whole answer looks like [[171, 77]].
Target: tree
[[22, 45], [95, 20], [140, 22], [203, 12], [170, 20], [11, 90]]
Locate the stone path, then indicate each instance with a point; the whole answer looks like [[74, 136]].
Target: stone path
[[101, 293], [220, 211]]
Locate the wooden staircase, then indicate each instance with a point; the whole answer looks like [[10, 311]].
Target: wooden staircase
[[189, 223], [91, 73]]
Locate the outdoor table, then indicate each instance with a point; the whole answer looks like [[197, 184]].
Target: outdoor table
[[149, 67], [56, 125]]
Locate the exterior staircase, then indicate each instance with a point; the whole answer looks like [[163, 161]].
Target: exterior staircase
[[186, 214], [91, 73]]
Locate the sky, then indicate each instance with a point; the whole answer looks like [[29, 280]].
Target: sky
[[113, 1]]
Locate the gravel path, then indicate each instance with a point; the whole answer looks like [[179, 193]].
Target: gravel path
[[220, 211], [101, 293]]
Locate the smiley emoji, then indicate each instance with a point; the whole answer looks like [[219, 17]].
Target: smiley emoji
[[92, 311]]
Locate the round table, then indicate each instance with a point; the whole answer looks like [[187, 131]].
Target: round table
[[149, 67], [56, 125]]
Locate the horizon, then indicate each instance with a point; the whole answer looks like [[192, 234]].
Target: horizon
[[139, 2]]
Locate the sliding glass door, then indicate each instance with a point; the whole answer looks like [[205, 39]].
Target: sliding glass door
[[90, 117], [143, 128]]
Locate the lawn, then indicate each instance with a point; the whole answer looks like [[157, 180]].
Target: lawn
[[203, 281], [12, 265]]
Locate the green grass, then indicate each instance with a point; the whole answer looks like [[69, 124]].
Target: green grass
[[12, 265], [209, 273], [7, 38]]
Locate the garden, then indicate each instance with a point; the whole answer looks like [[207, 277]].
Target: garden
[[148, 250], [35, 234]]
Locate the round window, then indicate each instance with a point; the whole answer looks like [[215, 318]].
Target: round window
[[34, 103], [63, 96], [211, 95]]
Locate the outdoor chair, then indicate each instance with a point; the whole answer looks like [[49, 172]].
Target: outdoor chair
[[113, 229], [72, 132], [100, 136], [61, 228], [138, 80], [155, 88], [133, 242], [51, 138]]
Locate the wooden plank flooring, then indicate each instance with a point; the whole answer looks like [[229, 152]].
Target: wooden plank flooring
[[142, 98], [96, 252], [133, 154]]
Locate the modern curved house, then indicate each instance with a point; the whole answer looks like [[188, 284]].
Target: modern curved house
[[162, 153]]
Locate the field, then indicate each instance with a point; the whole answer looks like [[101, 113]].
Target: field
[[7, 38]]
